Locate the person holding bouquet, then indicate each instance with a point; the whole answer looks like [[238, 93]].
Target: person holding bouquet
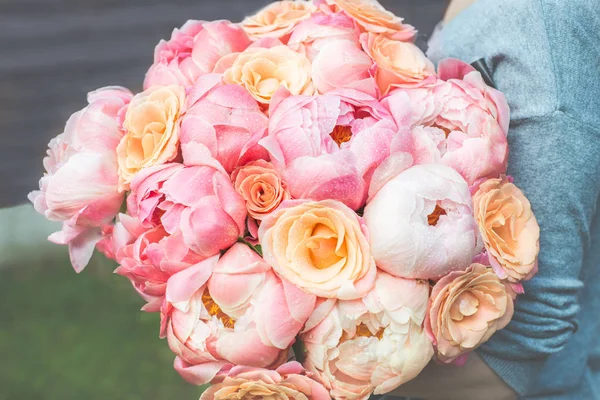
[[544, 55]]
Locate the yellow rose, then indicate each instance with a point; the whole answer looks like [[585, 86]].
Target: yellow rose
[[373, 17], [320, 247], [277, 19], [398, 63], [263, 71], [509, 229], [151, 131]]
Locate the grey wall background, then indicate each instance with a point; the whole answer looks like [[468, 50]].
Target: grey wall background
[[52, 52]]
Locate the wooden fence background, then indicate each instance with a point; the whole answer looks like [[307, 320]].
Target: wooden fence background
[[52, 52]]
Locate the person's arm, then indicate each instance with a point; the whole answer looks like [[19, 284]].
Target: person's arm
[[545, 58]]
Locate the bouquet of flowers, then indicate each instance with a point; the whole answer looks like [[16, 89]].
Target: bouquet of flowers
[[312, 208]]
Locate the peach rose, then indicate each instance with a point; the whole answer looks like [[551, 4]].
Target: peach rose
[[466, 309], [277, 19], [373, 17], [399, 64], [287, 382], [152, 131], [321, 247], [263, 71], [509, 229], [261, 187]]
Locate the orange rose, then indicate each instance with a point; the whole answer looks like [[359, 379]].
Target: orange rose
[[261, 187], [277, 19], [373, 17], [263, 71], [466, 309], [509, 229], [152, 131], [398, 63]]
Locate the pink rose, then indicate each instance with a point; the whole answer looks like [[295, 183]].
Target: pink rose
[[421, 223], [461, 123], [226, 120], [199, 201], [214, 324], [261, 186], [193, 51], [311, 141], [148, 257], [467, 308], [286, 382], [321, 247], [80, 187], [373, 344]]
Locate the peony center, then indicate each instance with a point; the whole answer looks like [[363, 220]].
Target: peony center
[[434, 217], [215, 311], [363, 330], [447, 131], [341, 134]]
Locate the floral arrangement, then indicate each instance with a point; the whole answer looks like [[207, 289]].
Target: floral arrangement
[[312, 208]]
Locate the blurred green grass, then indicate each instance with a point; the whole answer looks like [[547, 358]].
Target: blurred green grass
[[67, 336]]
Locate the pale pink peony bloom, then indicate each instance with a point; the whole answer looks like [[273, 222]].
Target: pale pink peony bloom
[[199, 201], [194, 50], [421, 223], [327, 147], [331, 43], [509, 229], [81, 180], [226, 120], [310, 36], [371, 17], [466, 309], [213, 324], [261, 187], [398, 63], [322, 247], [148, 257], [289, 381], [373, 344], [460, 122], [277, 19]]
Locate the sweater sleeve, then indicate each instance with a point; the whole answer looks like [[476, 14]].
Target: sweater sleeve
[[548, 65]]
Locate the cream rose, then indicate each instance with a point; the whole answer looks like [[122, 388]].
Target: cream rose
[[263, 71], [261, 187], [509, 229], [373, 17], [277, 19], [398, 63], [466, 309], [152, 131], [320, 247]]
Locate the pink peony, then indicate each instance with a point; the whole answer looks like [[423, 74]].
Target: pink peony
[[148, 257], [194, 50], [421, 223], [289, 381], [373, 344], [226, 120], [80, 187], [213, 324], [311, 141], [460, 122], [199, 201]]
